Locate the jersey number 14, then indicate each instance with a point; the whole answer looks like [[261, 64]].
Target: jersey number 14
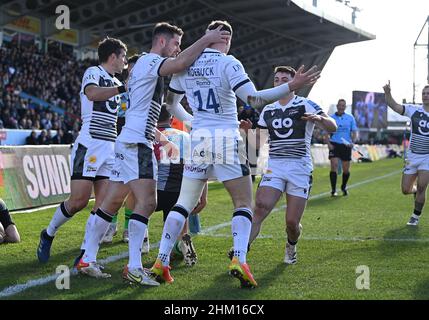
[[211, 101]]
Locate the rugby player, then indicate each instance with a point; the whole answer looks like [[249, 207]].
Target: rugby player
[[92, 156], [135, 163], [8, 231], [416, 169], [290, 123], [211, 85]]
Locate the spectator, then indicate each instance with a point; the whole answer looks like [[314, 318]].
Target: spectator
[[32, 139], [42, 139], [251, 114]]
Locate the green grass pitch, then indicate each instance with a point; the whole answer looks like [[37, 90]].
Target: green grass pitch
[[339, 234]]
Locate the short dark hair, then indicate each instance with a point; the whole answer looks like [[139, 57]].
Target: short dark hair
[[133, 58], [164, 28], [164, 115], [426, 86], [285, 69], [226, 26], [108, 46], [339, 100]]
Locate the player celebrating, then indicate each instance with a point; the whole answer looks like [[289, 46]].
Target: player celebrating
[[290, 123], [210, 85], [340, 146], [92, 156], [135, 164], [417, 162]]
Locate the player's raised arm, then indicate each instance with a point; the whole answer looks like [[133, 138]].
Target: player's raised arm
[[258, 99], [390, 101], [188, 56]]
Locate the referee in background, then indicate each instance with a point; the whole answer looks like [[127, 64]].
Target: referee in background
[[340, 144]]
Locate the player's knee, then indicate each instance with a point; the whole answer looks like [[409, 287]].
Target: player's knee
[[261, 205], [3, 206], [13, 238], [76, 204], [406, 190], [292, 224], [149, 205]]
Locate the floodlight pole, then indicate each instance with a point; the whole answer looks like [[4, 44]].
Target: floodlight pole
[[414, 57]]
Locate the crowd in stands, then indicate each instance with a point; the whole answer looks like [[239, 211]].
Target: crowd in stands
[[52, 77]]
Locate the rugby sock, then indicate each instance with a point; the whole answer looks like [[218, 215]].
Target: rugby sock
[[418, 207], [99, 226], [5, 218], [137, 229], [346, 177], [333, 177], [60, 217], [115, 219], [172, 228], [292, 243], [88, 226], [241, 226], [128, 213]]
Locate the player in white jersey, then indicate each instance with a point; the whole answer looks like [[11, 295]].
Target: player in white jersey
[[92, 157], [135, 166], [290, 123], [211, 85], [416, 170]]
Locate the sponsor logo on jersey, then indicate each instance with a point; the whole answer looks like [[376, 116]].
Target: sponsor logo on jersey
[[285, 123], [92, 159], [423, 127]]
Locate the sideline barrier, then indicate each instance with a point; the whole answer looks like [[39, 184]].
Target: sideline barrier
[[32, 176]]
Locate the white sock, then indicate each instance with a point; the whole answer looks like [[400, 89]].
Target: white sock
[[241, 226], [60, 217], [97, 230], [137, 229], [87, 228], [172, 228], [146, 234], [415, 216]]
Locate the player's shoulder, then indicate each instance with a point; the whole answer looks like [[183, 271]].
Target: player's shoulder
[[306, 101], [270, 107], [93, 70], [148, 59], [413, 106]]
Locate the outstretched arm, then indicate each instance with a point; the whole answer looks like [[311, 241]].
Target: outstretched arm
[[188, 56], [322, 120], [390, 101], [259, 99]]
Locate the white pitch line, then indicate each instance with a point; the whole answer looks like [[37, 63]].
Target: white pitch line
[[12, 290]]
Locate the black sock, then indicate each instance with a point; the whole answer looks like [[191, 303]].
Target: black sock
[[292, 243], [418, 207], [346, 177], [333, 177]]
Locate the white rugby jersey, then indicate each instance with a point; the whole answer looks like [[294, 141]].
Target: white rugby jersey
[[99, 117], [419, 138], [210, 85], [145, 90], [289, 135]]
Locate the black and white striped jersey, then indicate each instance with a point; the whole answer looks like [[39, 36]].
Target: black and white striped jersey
[[419, 140], [99, 117], [289, 135], [145, 90]]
